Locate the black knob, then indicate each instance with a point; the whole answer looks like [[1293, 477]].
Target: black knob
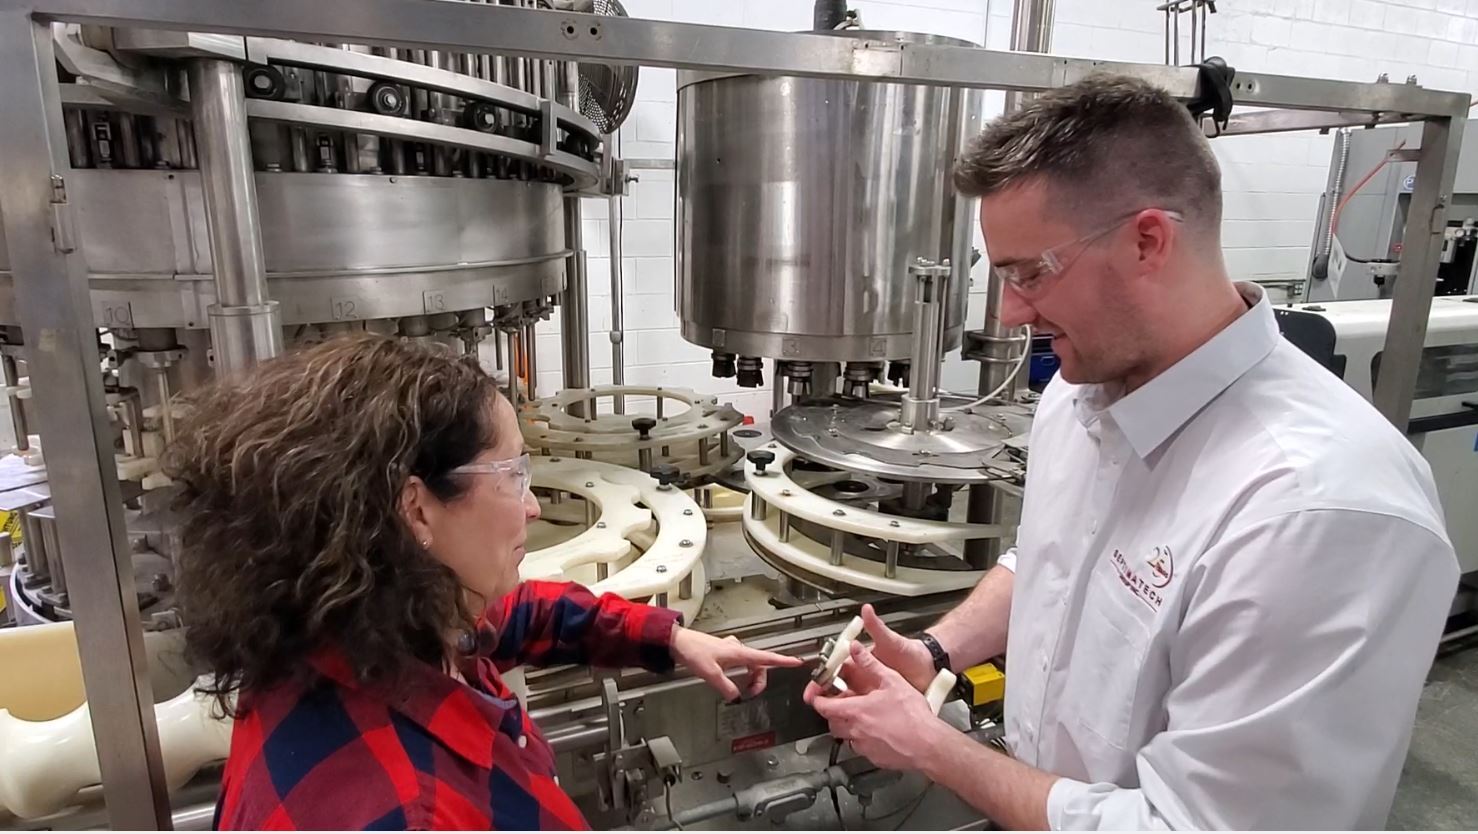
[[644, 425], [666, 474], [760, 458]]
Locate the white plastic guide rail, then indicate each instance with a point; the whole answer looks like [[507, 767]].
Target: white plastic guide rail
[[626, 503], [781, 500], [695, 439]]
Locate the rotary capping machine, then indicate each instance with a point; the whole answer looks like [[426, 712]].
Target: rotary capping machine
[[187, 189]]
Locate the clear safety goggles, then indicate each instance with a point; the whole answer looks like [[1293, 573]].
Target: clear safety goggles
[[1025, 275], [517, 471]]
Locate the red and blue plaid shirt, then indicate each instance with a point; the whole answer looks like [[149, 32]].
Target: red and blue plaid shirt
[[435, 753]]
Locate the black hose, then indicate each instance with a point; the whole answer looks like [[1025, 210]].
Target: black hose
[[828, 14]]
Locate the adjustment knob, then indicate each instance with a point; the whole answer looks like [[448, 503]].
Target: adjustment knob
[[644, 425], [760, 458], [666, 474]]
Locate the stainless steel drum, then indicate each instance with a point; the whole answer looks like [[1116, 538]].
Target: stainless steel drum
[[337, 247], [801, 203]]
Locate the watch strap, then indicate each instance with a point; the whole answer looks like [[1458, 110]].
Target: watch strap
[[936, 651]]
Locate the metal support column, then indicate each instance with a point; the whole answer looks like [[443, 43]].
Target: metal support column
[[51, 294], [931, 282], [1421, 249], [1031, 31], [245, 325], [574, 327], [616, 173]]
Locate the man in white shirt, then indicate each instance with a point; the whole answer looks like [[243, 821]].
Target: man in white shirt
[[1231, 573]]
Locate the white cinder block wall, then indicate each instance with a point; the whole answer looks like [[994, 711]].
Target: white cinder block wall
[[1272, 183]]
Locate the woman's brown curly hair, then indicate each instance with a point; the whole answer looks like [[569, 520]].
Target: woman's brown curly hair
[[290, 481]]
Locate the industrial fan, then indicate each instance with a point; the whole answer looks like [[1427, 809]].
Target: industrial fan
[[606, 92]]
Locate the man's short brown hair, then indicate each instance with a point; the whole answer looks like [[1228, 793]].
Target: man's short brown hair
[[1105, 146]]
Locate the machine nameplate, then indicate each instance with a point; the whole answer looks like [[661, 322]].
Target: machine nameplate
[[744, 719]]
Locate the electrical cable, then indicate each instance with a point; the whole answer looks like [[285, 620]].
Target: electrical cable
[[1339, 209], [1026, 351]]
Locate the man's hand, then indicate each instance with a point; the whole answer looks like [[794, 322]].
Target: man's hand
[[905, 655], [707, 657], [886, 718]]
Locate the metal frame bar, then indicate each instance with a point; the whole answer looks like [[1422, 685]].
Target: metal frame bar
[[530, 33], [51, 293], [51, 282], [310, 56], [1421, 248], [1284, 121], [583, 172]]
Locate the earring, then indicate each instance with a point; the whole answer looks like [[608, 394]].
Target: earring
[[425, 543]]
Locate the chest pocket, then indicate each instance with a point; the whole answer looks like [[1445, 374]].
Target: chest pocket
[[1106, 663]]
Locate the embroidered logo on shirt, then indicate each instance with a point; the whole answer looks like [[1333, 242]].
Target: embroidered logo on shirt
[[1162, 566], [1145, 583]]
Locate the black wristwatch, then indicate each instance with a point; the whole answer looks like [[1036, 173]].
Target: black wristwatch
[[936, 651]]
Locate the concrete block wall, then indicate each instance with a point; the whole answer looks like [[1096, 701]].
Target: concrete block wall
[[1272, 183]]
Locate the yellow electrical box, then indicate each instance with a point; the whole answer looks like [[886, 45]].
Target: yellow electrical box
[[983, 684], [10, 522]]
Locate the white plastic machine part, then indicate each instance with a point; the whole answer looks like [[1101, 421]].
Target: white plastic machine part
[[839, 649], [694, 438], [626, 504], [782, 495], [720, 504], [47, 763], [826, 675]]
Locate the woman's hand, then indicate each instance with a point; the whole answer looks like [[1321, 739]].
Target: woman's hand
[[707, 657]]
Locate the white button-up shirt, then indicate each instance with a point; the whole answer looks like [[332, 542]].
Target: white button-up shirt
[[1229, 587]]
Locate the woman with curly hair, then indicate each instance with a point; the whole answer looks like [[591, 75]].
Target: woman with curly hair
[[354, 517]]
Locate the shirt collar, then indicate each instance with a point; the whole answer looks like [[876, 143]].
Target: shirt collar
[[1154, 411], [462, 718]]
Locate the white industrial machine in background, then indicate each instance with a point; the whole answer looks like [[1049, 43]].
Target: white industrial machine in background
[[1356, 258], [1348, 338], [188, 189], [1365, 208]]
